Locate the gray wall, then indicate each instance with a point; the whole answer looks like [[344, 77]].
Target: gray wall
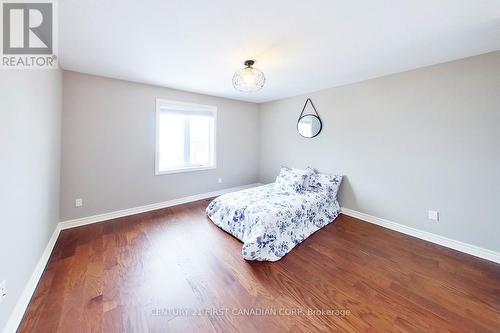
[[410, 142], [108, 152], [30, 127]]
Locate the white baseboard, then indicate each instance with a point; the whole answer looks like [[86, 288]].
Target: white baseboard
[[440, 240], [141, 209], [25, 298]]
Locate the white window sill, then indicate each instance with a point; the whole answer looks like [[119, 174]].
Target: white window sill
[[188, 169]]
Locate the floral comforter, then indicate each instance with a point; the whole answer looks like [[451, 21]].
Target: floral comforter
[[270, 221]]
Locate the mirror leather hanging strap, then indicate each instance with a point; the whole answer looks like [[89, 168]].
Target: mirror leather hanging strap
[[303, 109]]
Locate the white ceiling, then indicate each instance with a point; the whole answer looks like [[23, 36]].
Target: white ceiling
[[301, 46]]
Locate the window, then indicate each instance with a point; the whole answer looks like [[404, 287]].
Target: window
[[185, 137]]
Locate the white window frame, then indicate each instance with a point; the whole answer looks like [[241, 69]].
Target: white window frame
[[175, 105]]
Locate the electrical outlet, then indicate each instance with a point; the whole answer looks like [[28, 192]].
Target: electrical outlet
[[433, 215], [3, 290], [78, 202], [220, 180]]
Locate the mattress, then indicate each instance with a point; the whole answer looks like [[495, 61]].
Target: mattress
[[271, 221]]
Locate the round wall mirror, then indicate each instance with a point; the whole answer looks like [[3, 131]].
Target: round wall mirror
[[309, 125]]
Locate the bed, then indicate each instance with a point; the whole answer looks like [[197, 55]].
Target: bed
[[272, 219]]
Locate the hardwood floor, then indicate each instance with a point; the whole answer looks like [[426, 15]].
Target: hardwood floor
[[141, 273]]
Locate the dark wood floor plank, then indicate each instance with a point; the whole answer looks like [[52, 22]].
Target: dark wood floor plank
[[142, 273]]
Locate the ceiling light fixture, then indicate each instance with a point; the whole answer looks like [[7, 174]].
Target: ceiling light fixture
[[249, 79]]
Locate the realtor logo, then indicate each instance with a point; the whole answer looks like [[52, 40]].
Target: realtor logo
[[28, 34]]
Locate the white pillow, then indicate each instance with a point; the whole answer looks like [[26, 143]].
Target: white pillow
[[311, 179], [329, 184], [292, 179]]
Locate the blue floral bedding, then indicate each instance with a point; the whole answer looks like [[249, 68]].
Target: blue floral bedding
[[270, 220]]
